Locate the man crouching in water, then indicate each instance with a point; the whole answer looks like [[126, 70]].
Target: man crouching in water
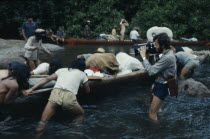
[[17, 80], [164, 68], [64, 92]]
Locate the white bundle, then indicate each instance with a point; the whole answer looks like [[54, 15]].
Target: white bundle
[[127, 63]]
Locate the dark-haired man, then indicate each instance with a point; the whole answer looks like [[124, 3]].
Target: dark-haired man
[[32, 47], [65, 90], [29, 27], [164, 68], [16, 80], [87, 31]]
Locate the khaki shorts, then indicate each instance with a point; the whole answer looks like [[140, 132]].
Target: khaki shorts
[[192, 64], [32, 55], [64, 98]]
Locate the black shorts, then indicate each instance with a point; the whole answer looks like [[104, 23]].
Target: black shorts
[[161, 90]]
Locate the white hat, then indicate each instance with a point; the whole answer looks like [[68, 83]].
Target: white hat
[[39, 30], [101, 50]]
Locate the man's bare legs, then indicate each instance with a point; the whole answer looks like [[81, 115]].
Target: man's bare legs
[[122, 37], [47, 114], [184, 71], [154, 108], [78, 112], [37, 62], [32, 64], [50, 110]]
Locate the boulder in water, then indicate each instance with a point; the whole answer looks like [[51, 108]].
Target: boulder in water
[[193, 88]]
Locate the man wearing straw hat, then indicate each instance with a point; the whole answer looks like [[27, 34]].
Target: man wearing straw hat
[[87, 31]]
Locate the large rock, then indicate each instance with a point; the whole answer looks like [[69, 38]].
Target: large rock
[[16, 47], [6, 59], [193, 88], [10, 50]]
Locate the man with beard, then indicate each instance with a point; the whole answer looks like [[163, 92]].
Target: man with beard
[[164, 68]]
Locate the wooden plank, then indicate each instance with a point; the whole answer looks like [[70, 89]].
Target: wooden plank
[[40, 91], [94, 78], [39, 76]]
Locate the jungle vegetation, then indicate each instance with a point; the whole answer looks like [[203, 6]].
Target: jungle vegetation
[[186, 18]]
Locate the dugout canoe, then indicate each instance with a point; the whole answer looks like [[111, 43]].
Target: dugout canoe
[[72, 41], [99, 87]]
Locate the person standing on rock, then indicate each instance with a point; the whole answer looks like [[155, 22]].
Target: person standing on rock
[[134, 34], [32, 47], [123, 25], [87, 31], [29, 27]]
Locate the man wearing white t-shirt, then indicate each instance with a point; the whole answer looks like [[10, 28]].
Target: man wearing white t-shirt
[[134, 35], [65, 91]]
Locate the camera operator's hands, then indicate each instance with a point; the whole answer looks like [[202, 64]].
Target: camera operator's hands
[[142, 51]]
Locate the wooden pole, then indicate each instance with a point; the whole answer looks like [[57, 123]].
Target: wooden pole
[[40, 91]]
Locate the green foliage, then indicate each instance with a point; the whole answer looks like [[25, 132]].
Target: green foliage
[[189, 18]]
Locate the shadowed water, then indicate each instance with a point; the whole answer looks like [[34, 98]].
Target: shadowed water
[[122, 115]]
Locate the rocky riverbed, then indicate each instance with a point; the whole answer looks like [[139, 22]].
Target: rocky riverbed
[[12, 49]]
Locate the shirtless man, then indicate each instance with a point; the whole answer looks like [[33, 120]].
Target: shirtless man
[[14, 82], [123, 24], [114, 31]]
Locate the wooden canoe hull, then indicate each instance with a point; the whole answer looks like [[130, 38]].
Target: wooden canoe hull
[[110, 86], [72, 41], [99, 88]]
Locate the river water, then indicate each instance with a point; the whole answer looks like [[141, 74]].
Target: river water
[[122, 115]]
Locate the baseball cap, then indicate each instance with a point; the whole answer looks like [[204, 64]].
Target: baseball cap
[[13, 65]]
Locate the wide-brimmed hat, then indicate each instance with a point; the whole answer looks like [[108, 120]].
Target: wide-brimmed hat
[[39, 30], [100, 50]]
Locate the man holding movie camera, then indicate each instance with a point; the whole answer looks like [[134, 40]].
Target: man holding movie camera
[[165, 68]]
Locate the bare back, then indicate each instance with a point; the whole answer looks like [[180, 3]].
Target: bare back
[[123, 25], [8, 90]]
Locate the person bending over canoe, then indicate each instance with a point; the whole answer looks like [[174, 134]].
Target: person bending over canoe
[[16, 81], [187, 62], [48, 68], [64, 92]]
